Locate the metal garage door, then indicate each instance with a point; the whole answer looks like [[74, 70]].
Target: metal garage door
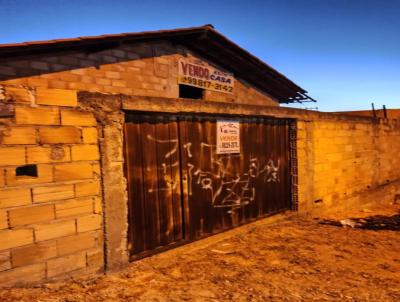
[[180, 189]]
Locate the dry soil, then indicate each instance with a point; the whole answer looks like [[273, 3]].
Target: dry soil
[[291, 259]]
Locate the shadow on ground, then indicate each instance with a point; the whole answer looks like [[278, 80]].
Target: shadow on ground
[[376, 222]]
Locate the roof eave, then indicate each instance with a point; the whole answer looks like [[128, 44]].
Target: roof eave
[[265, 78]]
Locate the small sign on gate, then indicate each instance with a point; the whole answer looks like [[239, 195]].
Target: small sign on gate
[[228, 137]]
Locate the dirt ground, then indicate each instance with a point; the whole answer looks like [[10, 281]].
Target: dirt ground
[[290, 258]]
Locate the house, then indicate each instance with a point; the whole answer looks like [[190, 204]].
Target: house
[[108, 149]]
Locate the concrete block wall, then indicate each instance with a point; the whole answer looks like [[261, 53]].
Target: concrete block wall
[[53, 225], [147, 69], [347, 163], [50, 223]]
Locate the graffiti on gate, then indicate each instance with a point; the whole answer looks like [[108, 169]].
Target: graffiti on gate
[[169, 161], [216, 173], [228, 187]]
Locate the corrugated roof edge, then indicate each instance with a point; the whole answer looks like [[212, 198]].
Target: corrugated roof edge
[[297, 94], [9, 46]]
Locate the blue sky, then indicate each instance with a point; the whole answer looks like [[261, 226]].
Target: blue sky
[[345, 53]]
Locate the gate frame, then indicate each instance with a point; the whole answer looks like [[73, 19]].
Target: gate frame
[[294, 183], [110, 111]]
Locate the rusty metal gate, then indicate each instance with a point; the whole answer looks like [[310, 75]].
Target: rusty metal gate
[[181, 190]]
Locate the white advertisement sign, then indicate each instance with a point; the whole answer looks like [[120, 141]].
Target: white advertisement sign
[[204, 76], [228, 137]]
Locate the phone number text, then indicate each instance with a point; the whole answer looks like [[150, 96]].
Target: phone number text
[[206, 84]]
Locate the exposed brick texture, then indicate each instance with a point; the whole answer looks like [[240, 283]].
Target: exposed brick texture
[[141, 69], [73, 171], [3, 220], [87, 188], [29, 215], [53, 154], [85, 152], [59, 135], [45, 175], [76, 243], [347, 161], [31, 254], [89, 135], [89, 223], [77, 118], [20, 95], [54, 229], [15, 197], [23, 275], [58, 97], [2, 180], [50, 223], [53, 193], [5, 261], [37, 116], [20, 136], [12, 156], [66, 264], [74, 207], [14, 238]]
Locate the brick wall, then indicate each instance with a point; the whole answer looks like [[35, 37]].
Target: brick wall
[[390, 113], [343, 161], [347, 163], [50, 224], [141, 69]]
